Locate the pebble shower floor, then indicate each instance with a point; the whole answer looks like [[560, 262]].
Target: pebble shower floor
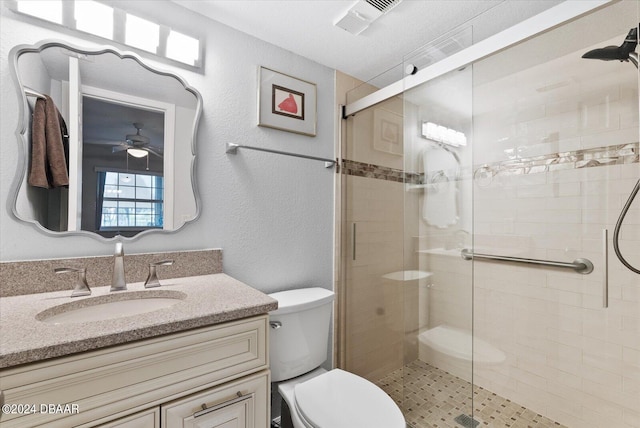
[[434, 398]]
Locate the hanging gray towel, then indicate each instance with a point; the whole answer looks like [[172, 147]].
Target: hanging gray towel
[[49, 146]]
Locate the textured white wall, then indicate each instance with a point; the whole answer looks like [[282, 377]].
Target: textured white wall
[[272, 215]]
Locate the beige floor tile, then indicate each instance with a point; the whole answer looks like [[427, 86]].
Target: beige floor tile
[[432, 398]]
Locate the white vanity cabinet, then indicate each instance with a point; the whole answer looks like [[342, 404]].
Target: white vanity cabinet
[[158, 382]]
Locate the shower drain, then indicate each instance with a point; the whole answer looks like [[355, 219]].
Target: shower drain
[[466, 421]]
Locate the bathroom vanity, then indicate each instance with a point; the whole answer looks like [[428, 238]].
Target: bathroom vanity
[[192, 350], [203, 358]]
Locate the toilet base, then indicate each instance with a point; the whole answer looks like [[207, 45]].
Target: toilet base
[[285, 389], [285, 416]]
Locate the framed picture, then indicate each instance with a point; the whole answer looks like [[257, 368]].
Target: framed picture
[[286, 103], [387, 131]]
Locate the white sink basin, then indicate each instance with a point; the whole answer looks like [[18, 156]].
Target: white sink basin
[[111, 306]]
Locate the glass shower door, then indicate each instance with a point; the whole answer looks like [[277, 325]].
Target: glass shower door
[[551, 157], [438, 374], [555, 158], [372, 329], [527, 155]]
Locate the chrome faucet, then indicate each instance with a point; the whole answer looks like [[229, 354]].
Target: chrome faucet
[[118, 282]]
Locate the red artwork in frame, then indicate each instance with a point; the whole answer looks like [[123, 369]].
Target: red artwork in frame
[[286, 103]]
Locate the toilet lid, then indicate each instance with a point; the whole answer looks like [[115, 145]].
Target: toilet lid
[[339, 399]]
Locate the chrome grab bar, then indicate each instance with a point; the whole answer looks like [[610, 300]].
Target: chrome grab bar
[[583, 266]]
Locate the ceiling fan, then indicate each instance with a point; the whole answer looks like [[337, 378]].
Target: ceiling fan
[[137, 145]]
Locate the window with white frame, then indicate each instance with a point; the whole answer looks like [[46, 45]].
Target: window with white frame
[[110, 23], [129, 200]]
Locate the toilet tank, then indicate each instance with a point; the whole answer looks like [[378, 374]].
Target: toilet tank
[[299, 334]]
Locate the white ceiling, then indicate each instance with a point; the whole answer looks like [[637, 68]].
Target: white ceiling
[[306, 28]]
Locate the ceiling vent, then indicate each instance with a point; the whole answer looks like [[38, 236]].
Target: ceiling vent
[[383, 5], [363, 13]]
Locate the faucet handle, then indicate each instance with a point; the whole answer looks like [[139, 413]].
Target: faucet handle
[[81, 288], [152, 279]]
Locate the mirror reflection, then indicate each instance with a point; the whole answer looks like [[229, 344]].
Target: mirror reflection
[[120, 131]]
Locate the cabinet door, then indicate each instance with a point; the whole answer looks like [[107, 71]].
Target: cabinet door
[[239, 404], [147, 419]]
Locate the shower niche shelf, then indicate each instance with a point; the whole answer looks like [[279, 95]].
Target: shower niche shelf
[[407, 275]]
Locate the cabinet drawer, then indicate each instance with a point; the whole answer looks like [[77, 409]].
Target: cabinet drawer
[[241, 404], [127, 378], [147, 419]]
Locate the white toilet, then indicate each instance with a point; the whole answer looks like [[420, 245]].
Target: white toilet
[[318, 398]]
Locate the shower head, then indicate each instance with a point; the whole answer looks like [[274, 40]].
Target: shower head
[[624, 52]]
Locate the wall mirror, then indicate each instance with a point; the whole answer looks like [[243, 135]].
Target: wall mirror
[[127, 134]]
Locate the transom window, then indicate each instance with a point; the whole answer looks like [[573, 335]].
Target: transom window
[[51, 10], [129, 200], [110, 23], [95, 18], [142, 34]]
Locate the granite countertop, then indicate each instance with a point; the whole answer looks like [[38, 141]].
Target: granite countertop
[[203, 300]]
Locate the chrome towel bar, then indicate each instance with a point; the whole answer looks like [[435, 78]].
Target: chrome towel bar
[[232, 149], [582, 266]]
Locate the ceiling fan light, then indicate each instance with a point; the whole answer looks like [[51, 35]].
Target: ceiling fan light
[[138, 153]]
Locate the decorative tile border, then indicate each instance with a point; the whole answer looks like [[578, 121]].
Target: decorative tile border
[[37, 276], [584, 158], [361, 169]]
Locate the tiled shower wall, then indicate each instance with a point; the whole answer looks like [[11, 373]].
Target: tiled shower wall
[[567, 357], [375, 315]]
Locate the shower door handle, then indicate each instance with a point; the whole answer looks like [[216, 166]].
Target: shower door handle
[[605, 268], [353, 246]]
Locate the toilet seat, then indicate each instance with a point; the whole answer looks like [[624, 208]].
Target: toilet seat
[[339, 399]]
